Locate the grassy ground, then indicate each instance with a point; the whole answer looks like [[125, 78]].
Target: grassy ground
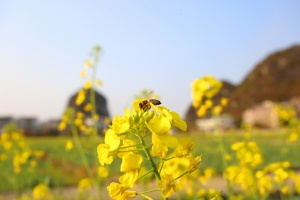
[[61, 168]]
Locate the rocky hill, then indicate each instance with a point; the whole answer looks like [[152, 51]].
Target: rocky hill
[[101, 104], [276, 78]]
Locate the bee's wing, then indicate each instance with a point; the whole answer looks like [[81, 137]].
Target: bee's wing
[[150, 94]]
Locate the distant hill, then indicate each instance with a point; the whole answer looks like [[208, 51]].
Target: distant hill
[[276, 78], [101, 104]]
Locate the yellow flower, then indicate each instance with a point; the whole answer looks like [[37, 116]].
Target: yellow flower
[[112, 140], [102, 172], [78, 122], [207, 86], [224, 101], [228, 157], [121, 124], [87, 107], [201, 111], [208, 103], [217, 110], [83, 73], [99, 82], [168, 185], [3, 157], [280, 175], [159, 141], [285, 190], [130, 165], [194, 163], [159, 126], [69, 145], [158, 148], [237, 145], [118, 192], [178, 122], [131, 162], [127, 146], [104, 156], [85, 184], [80, 97], [297, 183], [207, 174], [264, 184], [32, 163], [185, 147], [293, 137], [88, 63], [41, 191], [88, 84]]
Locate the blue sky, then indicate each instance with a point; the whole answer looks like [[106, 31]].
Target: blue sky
[[159, 45]]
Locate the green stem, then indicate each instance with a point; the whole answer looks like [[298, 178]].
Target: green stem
[[162, 165], [81, 151], [129, 146], [95, 54], [148, 191], [181, 175], [169, 159], [92, 95], [149, 157], [144, 175], [223, 155]]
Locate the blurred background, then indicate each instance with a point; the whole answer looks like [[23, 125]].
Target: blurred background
[[251, 47], [158, 45]]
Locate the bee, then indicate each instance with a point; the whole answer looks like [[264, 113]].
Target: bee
[[145, 104]]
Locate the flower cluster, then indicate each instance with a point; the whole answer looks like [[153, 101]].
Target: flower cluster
[[12, 145], [141, 137], [285, 114], [203, 90], [288, 119]]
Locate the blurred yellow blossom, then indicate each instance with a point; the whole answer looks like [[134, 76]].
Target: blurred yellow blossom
[[41, 191], [103, 172], [99, 82], [119, 192], [88, 63], [80, 97], [88, 84], [168, 185], [85, 184], [83, 73], [69, 145]]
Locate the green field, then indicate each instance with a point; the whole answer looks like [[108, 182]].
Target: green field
[[61, 168]]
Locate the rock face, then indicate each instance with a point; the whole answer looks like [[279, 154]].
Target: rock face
[[276, 78], [101, 104]]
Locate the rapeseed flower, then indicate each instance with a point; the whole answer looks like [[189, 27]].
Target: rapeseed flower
[[104, 154], [80, 97], [130, 165], [185, 147], [168, 185], [194, 163], [85, 184], [41, 191], [119, 192], [69, 145], [121, 124], [102, 172]]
